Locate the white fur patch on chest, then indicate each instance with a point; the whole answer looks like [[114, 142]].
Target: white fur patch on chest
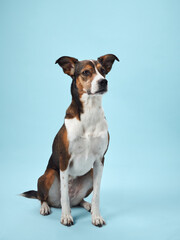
[[88, 137]]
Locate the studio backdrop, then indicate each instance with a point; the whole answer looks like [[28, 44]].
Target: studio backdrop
[[140, 190]]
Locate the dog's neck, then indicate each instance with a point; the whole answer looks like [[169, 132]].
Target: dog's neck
[[76, 102], [86, 105], [93, 113], [91, 104]]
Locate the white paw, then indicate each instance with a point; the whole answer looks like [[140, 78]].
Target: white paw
[[45, 209], [87, 206], [67, 220], [98, 221]]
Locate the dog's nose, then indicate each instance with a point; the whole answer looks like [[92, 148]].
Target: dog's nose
[[103, 82]]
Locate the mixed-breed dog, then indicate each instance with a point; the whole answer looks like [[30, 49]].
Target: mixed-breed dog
[[76, 164]]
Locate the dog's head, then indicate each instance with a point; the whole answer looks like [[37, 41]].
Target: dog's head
[[89, 76]]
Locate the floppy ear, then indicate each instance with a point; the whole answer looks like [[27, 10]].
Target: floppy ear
[[107, 61], [67, 64]]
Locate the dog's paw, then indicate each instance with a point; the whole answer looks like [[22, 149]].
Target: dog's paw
[[67, 220], [85, 205], [45, 209], [98, 221]]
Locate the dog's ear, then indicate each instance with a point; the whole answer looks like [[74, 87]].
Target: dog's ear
[[107, 61], [67, 64]]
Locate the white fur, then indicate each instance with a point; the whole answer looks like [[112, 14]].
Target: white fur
[[45, 209], [94, 83], [85, 205], [54, 193], [65, 180], [97, 220], [88, 137], [88, 141], [77, 187], [66, 217]]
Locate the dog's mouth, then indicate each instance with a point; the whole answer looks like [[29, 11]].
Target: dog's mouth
[[98, 92], [101, 91]]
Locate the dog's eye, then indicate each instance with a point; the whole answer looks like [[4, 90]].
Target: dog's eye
[[86, 73], [102, 70]]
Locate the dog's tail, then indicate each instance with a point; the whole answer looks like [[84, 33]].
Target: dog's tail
[[30, 194]]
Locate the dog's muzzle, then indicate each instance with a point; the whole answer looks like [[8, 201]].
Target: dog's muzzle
[[102, 86]]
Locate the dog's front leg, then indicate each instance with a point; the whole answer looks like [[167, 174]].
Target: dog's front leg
[[97, 220], [66, 218]]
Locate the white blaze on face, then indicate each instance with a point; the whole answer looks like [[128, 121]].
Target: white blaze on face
[[94, 83]]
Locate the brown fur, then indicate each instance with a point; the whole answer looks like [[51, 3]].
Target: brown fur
[[107, 61], [67, 63], [58, 160], [44, 184], [84, 82], [72, 111]]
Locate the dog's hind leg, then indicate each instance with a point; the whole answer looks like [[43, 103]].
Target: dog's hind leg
[[44, 184]]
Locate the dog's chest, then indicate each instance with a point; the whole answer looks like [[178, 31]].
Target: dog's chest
[[88, 140]]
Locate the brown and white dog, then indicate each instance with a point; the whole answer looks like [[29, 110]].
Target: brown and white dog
[[75, 167]]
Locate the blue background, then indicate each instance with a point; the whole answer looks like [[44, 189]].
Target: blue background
[[140, 194]]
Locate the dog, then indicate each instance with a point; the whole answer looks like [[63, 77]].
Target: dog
[[76, 165]]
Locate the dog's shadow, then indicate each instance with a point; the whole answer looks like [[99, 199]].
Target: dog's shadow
[[80, 213]]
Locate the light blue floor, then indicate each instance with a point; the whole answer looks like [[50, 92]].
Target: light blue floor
[[132, 210], [128, 216]]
